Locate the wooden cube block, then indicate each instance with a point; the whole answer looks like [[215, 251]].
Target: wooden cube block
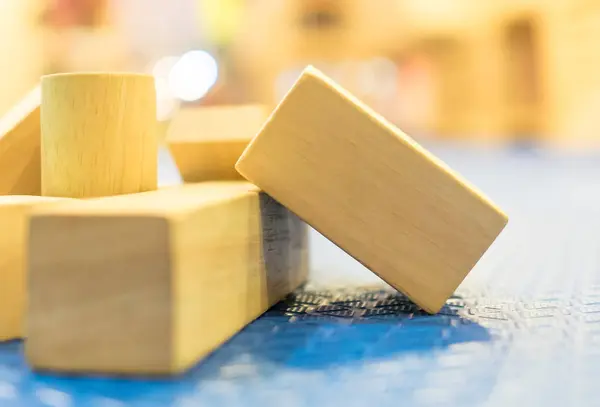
[[372, 190], [14, 218], [20, 147], [151, 283], [206, 142]]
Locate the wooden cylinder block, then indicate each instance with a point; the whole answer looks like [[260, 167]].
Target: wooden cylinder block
[[98, 134]]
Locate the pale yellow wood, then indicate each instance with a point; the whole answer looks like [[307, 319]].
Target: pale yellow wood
[[14, 216], [151, 283], [20, 147], [372, 190], [98, 134], [206, 142]]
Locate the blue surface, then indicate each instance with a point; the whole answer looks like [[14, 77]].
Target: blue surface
[[522, 330]]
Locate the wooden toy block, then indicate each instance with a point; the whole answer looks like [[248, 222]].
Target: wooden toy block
[[98, 134], [14, 217], [206, 142], [151, 283], [372, 190], [20, 147]]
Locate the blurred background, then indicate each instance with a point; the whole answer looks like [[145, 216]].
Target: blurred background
[[485, 71]]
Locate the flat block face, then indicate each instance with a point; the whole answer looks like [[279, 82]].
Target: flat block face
[[20, 147], [217, 123], [206, 142], [372, 190], [208, 161], [99, 293], [14, 214], [130, 284]]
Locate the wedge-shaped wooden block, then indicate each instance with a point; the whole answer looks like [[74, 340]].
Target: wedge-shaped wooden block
[[150, 283], [372, 190], [14, 218], [206, 142], [20, 172]]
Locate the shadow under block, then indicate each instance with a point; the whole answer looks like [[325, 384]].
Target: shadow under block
[[99, 134], [20, 147], [372, 190], [151, 283], [206, 142], [14, 217]]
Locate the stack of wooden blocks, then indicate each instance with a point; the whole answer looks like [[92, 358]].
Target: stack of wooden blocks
[[102, 272]]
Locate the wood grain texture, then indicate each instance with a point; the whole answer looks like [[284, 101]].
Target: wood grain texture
[[98, 134], [372, 190], [14, 217], [20, 147], [151, 283], [206, 142]]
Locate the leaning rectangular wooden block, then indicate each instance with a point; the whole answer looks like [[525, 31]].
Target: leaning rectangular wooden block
[[206, 142], [372, 190], [20, 171], [14, 218], [151, 283]]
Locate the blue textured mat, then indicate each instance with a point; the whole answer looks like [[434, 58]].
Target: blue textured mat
[[522, 330]]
